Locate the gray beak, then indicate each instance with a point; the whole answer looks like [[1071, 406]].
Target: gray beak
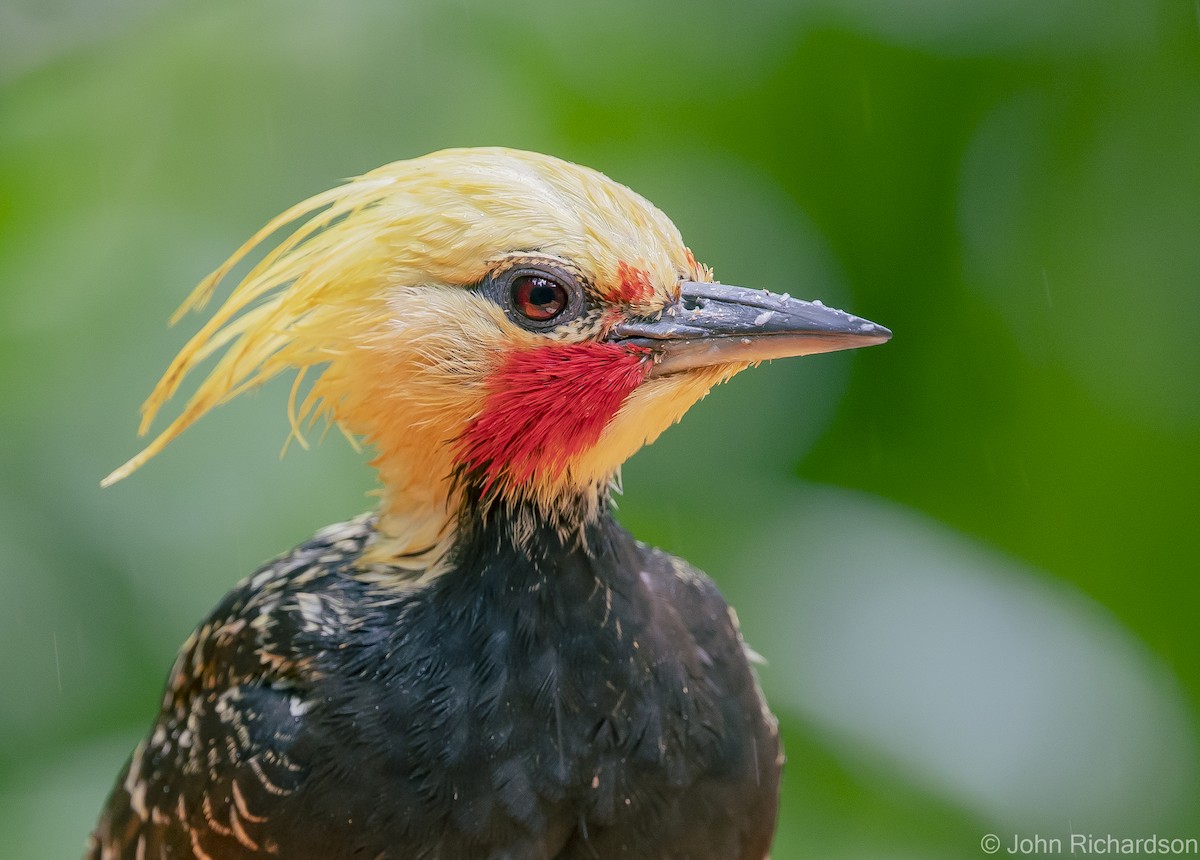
[[718, 324]]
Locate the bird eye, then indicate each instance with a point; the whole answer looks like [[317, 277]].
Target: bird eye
[[538, 292], [538, 298]]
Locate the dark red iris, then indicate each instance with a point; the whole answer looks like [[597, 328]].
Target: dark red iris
[[538, 298]]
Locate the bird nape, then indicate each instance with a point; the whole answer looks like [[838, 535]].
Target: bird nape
[[486, 666]]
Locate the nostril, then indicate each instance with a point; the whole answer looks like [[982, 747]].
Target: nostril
[[692, 303]]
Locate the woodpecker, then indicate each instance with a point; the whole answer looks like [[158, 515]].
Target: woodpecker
[[487, 666]]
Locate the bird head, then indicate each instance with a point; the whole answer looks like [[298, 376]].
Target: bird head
[[498, 326]]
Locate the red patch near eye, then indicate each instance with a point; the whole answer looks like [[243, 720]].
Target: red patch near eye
[[634, 285], [546, 405]]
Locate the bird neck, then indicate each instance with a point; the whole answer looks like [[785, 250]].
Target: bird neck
[[512, 548], [428, 512], [418, 511], [544, 526]]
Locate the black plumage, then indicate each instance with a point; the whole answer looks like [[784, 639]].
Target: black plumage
[[544, 697]]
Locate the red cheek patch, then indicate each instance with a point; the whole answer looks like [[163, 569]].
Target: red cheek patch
[[633, 285], [545, 405]]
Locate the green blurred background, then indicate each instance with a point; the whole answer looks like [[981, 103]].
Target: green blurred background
[[969, 556]]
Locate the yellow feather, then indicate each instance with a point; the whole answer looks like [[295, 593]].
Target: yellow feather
[[357, 294]]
